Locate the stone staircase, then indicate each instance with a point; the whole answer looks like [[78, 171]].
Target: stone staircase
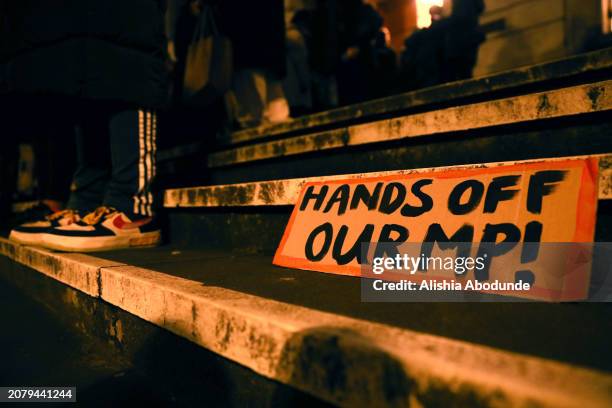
[[213, 282]]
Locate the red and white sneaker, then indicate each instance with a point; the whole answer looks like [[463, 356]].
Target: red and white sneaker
[[32, 233], [102, 230]]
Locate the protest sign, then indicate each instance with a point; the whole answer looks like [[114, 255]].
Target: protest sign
[[538, 202]]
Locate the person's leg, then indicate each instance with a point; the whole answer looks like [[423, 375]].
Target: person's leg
[[125, 217], [89, 181], [133, 143], [93, 161]]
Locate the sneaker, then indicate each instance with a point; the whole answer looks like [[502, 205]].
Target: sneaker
[[102, 230], [32, 233], [23, 213]]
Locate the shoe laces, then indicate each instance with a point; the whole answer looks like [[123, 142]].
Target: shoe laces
[[101, 212], [72, 215]]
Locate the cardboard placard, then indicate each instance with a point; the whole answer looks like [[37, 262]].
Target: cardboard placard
[[546, 202]]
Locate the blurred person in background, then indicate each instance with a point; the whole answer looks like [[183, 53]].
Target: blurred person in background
[[422, 59], [358, 27], [446, 51], [298, 83], [383, 81], [463, 39], [257, 36], [318, 29]]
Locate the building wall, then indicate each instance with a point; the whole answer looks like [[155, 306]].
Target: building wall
[[526, 32]]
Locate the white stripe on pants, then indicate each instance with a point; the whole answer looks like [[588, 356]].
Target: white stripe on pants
[[147, 141]]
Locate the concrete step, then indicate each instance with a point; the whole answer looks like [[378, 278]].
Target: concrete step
[[286, 191], [574, 70], [234, 215], [291, 327], [55, 335], [557, 103], [554, 109], [561, 122], [27, 337]]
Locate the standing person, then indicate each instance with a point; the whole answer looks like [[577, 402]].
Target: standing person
[[358, 28], [422, 61], [463, 39], [298, 84], [181, 20], [318, 30], [257, 34], [106, 60], [383, 78]]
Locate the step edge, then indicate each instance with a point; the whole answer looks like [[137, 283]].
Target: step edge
[[592, 61], [561, 102], [285, 192], [261, 334]]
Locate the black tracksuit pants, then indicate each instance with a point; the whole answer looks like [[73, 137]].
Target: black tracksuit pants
[[116, 149]]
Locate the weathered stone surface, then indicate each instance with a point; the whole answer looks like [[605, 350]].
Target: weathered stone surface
[[114, 346], [340, 359], [286, 192], [515, 78], [76, 270], [343, 360], [552, 104]]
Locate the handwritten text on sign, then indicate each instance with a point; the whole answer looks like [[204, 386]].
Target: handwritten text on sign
[[530, 202]]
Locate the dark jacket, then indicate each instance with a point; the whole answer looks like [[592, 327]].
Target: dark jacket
[[108, 50], [468, 9], [256, 30], [464, 35]]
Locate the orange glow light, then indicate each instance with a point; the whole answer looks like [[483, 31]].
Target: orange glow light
[[423, 6]]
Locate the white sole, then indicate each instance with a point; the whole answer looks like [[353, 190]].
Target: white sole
[[95, 244], [24, 238]]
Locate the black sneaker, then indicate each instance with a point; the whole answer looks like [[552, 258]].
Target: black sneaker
[[102, 230], [31, 233], [30, 213]]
